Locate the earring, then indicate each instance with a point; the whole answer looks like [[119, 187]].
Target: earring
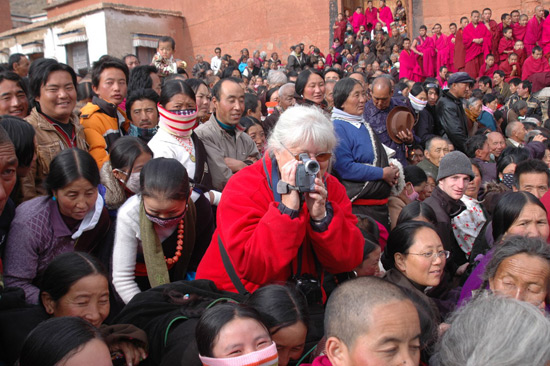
[[53, 198]]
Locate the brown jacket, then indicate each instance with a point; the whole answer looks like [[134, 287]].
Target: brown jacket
[[219, 145], [49, 143]]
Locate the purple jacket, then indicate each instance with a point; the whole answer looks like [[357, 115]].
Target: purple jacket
[[474, 281], [37, 235]]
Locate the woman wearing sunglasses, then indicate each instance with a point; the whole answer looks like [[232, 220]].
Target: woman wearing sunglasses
[[361, 161], [270, 232], [161, 235]]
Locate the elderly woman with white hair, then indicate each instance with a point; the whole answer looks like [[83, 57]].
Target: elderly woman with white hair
[[495, 330], [285, 218]]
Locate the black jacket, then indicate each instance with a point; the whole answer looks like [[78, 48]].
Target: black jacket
[[453, 120], [445, 209]]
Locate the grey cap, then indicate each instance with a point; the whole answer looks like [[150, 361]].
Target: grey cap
[[455, 163], [460, 77]]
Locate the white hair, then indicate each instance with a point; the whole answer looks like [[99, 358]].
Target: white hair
[[300, 125], [495, 330], [276, 77], [287, 88]]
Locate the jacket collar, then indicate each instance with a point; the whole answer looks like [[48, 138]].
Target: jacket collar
[[450, 206]]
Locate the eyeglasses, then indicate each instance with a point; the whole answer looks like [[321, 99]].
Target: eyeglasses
[[320, 157], [433, 255], [431, 85]]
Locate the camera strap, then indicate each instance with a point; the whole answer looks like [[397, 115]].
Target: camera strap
[[272, 183], [230, 269]]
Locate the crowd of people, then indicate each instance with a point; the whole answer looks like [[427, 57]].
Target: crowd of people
[[326, 211]]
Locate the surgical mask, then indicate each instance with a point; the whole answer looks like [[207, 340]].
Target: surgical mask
[[508, 180], [168, 222], [414, 195], [265, 357], [132, 183], [146, 134], [416, 103]]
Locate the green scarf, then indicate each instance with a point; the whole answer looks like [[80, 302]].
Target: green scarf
[[157, 272]]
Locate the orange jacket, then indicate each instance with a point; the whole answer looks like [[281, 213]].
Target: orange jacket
[[101, 130]]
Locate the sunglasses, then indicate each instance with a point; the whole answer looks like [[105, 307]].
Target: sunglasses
[[320, 157]]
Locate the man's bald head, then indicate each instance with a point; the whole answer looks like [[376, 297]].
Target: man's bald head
[[349, 306], [286, 95], [382, 92]]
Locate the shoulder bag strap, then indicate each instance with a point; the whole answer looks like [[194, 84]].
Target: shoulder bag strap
[[230, 269]]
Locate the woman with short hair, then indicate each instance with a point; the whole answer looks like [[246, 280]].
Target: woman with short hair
[[275, 222], [72, 217], [362, 164]]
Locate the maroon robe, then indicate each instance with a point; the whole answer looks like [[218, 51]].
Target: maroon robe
[[341, 30], [372, 18], [475, 52], [532, 66], [505, 44], [451, 48], [386, 16], [484, 71], [494, 37], [518, 31], [357, 20], [425, 66], [545, 39], [460, 51], [407, 63], [507, 68], [442, 55], [533, 34]]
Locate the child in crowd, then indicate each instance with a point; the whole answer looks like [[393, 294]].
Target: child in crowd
[[164, 59]]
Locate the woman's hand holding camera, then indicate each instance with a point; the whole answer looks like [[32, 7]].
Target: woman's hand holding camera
[[316, 201], [288, 175]]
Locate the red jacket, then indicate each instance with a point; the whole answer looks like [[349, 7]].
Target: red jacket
[[263, 243]]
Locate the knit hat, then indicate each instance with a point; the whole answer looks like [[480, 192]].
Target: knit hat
[[455, 163], [178, 123]]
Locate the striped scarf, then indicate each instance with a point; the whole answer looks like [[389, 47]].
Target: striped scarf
[[178, 123]]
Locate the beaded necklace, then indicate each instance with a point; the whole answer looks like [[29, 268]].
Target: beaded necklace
[[179, 247]]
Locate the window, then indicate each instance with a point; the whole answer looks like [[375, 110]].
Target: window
[[77, 55]]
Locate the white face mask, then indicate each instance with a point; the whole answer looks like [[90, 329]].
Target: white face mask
[[416, 103], [133, 181]]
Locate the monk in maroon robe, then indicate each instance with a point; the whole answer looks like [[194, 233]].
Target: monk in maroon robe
[[545, 39], [477, 41], [357, 19], [340, 27], [533, 33], [489, 67], [511, 68], [460, 50], [385, 14], [492, 26], [451, 40], [407, 61], [506, 44], [536, 70], [505, 22], [424, 48], [534, 64], [519, 49], [371, 14], [441, 49]]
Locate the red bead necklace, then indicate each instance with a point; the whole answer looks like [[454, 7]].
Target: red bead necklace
[[179, 247]]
